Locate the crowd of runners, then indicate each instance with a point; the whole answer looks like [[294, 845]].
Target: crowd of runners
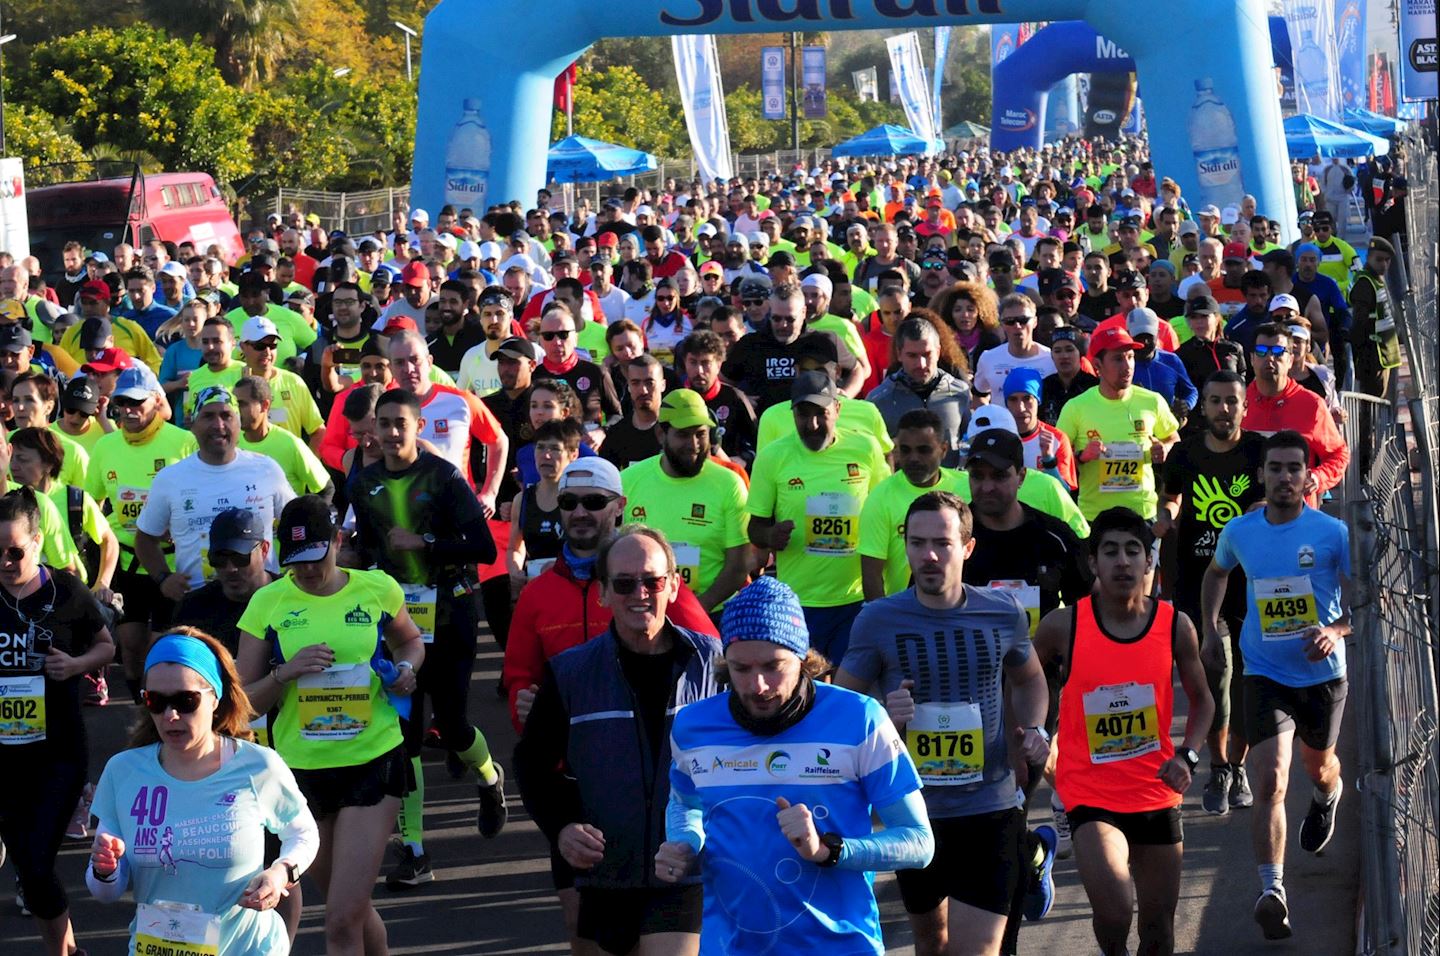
[[823, 518]]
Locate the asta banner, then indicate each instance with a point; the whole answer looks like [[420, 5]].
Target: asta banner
[[697, 71], [772, 82], [812, 79], [909, 72], [1418, 56], [1350, 41]]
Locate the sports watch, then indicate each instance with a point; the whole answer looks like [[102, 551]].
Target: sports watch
[[1191, 758], [835, 843]]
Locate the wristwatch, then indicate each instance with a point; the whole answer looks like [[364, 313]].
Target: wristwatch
[[429, 540], [835, 843], [1191, 758], [292, 872]]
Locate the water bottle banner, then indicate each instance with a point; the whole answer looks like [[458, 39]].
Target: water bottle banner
[[1419, 60], [497, 150], [772, 82], [1312, 42]]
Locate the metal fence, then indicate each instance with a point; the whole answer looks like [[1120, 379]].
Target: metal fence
[[355, 213], [1391, 505]]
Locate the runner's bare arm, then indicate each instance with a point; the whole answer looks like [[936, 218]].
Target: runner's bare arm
[[1052, 638], [1192, 678]]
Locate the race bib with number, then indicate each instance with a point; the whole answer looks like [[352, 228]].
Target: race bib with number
[[832, 524], [1029, 595], [129, 502], [687, 562], [335, 703], [22, 710], [1121, 722], [420, 602], [1120, 467], [947, 743], [174, 929], [261, 727], [1287, 607]]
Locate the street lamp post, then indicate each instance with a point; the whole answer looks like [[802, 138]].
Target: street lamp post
[[409, 32]]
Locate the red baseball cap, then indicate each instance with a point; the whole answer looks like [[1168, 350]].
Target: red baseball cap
[[95, 289], [1115, 337], [415, 273], [110, 360], [400, 323], [607, 239], [1236, 250]]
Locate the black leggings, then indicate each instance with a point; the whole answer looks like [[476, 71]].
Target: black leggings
[[34, 813], [498, 607], [445, 677]]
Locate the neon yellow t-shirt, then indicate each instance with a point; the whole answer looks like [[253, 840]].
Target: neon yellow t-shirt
[[203, 377], [296, 335], [1043, 493], [823, 493], [882, 522], [92, 519], [1128, 426], [305, 473], [123, 474], [340, 717], [843, 329], [85, 440], [702, 517], [592, 340], [856, 415], [292, 407]]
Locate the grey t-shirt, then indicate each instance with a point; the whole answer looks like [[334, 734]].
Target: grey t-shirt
[[955, 657]]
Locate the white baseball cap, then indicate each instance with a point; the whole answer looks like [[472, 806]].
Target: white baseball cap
[[1230, 215], [991, 416], [1284, 301], [817, 281], [258, 328], [490, 250], [469, 250], [419, 215]]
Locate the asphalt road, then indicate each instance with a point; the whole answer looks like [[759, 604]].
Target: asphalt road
[[494, 897]]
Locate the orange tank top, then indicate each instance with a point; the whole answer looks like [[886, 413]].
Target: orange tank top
[[1115, 711]]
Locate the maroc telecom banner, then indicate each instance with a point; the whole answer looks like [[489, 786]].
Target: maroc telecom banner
[[772, 82], [1418, 57], [812, 82]]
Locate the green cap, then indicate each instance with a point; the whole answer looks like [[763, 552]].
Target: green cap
[[684, 408]]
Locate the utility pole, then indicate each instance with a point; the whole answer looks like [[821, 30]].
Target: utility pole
[[794, 88]]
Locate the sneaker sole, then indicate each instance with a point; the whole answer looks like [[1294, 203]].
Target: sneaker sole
[[1273, 917], [1222, 811], [427, 877]]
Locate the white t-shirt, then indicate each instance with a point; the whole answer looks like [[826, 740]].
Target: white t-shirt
[[997, 362], [479, 372], [187, 495], [613, 303], [638, 310]]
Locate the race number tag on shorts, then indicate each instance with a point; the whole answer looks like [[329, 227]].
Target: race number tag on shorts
[[420, 602], [687, 562], [174, 929], [335, 703], [947, 743], [1029, 595], [22, 709], [1120, 467], [1287, 607], [1121, 722], [832, 524], [130, 502]]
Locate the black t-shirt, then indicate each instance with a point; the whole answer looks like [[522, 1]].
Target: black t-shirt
[[625, 444], [64, 613], [652, 678], [1043, 551], [211, 611], [763, 368], [1172, 309], [598, 401], [511, 413], [1055, 393], [736, 422], [447, 352], [1099, 307], [1216, 488]]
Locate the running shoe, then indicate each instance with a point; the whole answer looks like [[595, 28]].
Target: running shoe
[[1319, 824], [412, 870], [493, 812], [1273, 913], [94, 692], [1061, 823], [78, 829], [1040, 894], [20, 898], [1240, 795], [1217, 791]]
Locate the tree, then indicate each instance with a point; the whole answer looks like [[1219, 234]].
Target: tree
[[40, 140], [246, 35], [376, 118], [748, 132], [139, 90], [968, 97], [618, 107], [293, 143]]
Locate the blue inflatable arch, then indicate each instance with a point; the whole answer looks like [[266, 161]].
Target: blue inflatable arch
[[493, 62]]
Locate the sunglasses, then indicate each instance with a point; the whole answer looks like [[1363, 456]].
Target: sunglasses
[[1276, 350], [228, 559], [121, 401], [552, 336], [15, 553], [935, 266], [590, 502], [1065, 294], [269, 345], [748, 303], [1023, 320], [652, 582], [664, 298], [184, 701]]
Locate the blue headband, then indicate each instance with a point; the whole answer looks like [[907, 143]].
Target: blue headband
[[189, 651]]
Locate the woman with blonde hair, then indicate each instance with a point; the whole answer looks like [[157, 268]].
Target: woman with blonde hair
[[973, 312], [183, 813]]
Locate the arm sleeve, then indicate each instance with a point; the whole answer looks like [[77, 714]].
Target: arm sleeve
[[875, 529], [906, 842], [551, 797], [474, 544], [761, 502], [524, 656], [1225, 555], [287, 813], [154, 518], [685, 820]]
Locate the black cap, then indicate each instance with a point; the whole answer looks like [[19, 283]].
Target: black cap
[[305, 530], [998, 448], [14, 337], [517, 348], [236, 530], [755, 286], [1202, 305], [80, 396], [1128, 279], [965, 271], [261, 259], [95, 333], [817, 388], [564, 255], [823, 347], [252, 282], [1323, 215], [781, 258]]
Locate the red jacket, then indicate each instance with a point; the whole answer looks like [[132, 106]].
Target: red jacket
[[557, 611], [1299, 409]]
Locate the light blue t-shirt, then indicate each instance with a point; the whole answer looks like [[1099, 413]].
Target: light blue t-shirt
[[200, 842], [1282, 560], [841, 760], [179, 358]]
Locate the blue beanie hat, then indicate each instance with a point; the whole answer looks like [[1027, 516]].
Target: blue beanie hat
[[766, 610]]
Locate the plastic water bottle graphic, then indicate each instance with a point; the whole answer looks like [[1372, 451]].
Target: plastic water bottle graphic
[[467, 161], [1312, 70], [1216, 147]]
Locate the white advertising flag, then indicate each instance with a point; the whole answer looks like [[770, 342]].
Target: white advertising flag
[[698, 72], [910, 82]]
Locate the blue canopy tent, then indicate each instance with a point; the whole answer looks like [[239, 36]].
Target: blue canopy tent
[[1307, 136], [886, 140], [1376, 124], [576, 159]]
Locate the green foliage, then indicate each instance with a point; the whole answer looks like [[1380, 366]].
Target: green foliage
[[616, 106], [968, 96], [376, 120], [292, 144], [139, 90], [39, 140], [247, 36], [748, 132]]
